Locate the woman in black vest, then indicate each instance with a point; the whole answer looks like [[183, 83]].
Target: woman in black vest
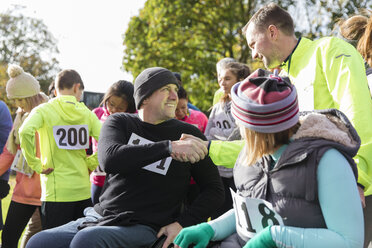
[[295, 178]]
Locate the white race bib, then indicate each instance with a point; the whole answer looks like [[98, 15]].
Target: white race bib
[[72, 137], [19, 164], [161, 166], [252, 215]]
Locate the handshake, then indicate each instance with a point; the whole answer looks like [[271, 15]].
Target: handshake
[[189, 149]]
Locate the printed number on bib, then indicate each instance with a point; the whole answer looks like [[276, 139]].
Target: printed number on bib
[[73, 137], [161, 166], [253, 215]]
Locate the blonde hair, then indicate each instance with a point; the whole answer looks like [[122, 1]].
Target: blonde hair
[[259, 144], [357, 30], [365, 43], [33, 101]]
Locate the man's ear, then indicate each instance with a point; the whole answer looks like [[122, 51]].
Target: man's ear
[[144, 102], [273, 32]]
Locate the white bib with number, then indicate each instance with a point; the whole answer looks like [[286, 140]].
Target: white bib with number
[[72, 137], [19, 164], [252, 215], [161, 166]]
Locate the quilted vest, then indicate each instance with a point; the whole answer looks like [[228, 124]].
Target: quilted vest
[[291, 186]]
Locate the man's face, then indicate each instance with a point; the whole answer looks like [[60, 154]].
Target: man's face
[[181, 109], [162, 104], [262, 47]]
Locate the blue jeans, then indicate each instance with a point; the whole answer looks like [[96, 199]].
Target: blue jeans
[[93, 237]]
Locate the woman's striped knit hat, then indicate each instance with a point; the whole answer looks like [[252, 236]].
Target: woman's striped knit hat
[[265, 104]]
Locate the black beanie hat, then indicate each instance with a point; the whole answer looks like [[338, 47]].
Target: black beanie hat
[[149, 81]]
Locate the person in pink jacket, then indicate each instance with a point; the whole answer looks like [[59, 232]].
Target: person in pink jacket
[[118, 98], [25, 204], [184, 113]]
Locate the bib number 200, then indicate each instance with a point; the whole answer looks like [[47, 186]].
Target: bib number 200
[[71, 137]]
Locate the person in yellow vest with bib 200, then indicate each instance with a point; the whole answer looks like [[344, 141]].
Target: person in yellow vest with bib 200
[[64, 126]]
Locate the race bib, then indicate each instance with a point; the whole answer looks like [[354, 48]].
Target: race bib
[[19, 164], [72, 137], [161, 166], [252, 215]]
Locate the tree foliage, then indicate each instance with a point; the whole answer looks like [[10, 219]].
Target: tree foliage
[[316, 18], [190, 36], [26, 41], [187, 37]]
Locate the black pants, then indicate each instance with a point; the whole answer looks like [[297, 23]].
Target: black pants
[[16, 220], [55, 214]]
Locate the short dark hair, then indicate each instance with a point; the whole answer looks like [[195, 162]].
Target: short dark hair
[[272, 14], [182, 94], [124, 90], [67, 78]]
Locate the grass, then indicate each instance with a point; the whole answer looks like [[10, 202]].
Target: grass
[[6, 201]]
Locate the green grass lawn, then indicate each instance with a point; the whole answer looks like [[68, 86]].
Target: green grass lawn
[[6, 201]]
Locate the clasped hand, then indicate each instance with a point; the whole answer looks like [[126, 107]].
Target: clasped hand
[[189, 149]]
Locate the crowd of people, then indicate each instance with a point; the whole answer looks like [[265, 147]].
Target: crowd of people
[[283, 160]]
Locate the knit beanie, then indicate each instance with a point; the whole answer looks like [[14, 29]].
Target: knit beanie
[[265, 104], [21, 84], [149, 81]]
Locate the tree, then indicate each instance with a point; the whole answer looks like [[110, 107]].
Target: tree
[[190, 36], [26, 41], [316, 18]]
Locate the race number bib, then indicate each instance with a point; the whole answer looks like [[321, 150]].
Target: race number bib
[[19, 164], [161, 166], [72, 137], [253, 215]]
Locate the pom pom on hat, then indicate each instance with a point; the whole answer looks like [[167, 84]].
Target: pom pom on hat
[[21, 84], [266, 104]]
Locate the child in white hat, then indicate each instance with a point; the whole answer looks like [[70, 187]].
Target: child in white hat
[[24, 89]]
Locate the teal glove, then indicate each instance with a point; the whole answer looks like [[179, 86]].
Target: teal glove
[[262, 239], [200, 235]]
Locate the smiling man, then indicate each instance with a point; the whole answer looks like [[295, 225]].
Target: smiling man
[[147, 180]]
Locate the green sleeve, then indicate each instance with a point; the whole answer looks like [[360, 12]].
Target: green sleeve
[[347, 82], [27, 139], [225, 153]]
